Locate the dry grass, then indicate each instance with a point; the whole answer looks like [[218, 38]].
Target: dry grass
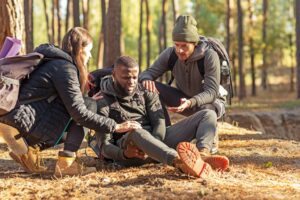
[[261, 168]]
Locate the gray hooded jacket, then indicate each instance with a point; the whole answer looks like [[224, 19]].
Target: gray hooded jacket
[[201, 90]]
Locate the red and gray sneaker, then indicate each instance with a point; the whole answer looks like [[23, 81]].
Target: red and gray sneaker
[[192, 164]]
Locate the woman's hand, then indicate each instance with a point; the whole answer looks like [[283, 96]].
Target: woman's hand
[[127, 126]]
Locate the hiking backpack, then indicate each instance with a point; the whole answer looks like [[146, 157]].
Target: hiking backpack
[[12, 71], [225, 76]]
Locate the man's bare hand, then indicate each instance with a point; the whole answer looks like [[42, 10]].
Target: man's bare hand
[[150, 85], [127, 126], [184, 105]]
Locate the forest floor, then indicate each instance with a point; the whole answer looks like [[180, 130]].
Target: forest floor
[[261, 167]]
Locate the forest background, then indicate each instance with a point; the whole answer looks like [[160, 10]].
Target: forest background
[[259, 35], [262, 38]]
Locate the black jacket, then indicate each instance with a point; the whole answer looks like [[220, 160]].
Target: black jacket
[[56, 77], [142, 106]]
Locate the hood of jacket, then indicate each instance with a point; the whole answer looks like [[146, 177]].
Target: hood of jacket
[[107, 87], [52, 52], [199, 52]]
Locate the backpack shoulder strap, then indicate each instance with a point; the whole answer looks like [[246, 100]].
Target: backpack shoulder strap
[[200, 64], [171, 62], [172, 59]]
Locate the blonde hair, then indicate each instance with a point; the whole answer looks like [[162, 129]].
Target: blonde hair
[[73, 42]]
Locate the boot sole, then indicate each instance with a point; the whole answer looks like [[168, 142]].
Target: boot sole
[[191, 158], [219, 163]]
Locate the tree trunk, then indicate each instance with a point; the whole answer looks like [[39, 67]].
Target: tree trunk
[[59, 24], [264, 50], [292, 85], [76, 13], [85, 11], [175, 10], [290, 36], [228, 14], [68, 14], [12, 21], [140, 53], [53, 22], [148, 28], [164, 23], [297, 13], [102, 36], [252, 50], [28, 14], [113, 32], [242, 89], [163, 34], [234, 73], [47, 22], [162, 27]]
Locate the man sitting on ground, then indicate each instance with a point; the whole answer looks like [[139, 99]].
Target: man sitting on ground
[[122, 99]]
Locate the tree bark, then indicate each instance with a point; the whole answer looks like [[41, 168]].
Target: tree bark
[[264, 50], [234, 72], [140, 49], [12, 21], [163, 27], [228, 14], [102, 36], [28, 14], [76, 13], [148, 28], [163, 34], [175, 10], [59, 24], [292, 85], [252, 50], [242, 88], [297, 13], [47, 22], [113, 32], [85, 11], [68, 14], [53, 21]]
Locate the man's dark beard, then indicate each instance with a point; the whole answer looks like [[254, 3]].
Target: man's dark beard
[[121, 91]]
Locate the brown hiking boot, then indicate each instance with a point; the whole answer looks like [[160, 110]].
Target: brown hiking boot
[[31, 161], [192, 164], [67, 165]]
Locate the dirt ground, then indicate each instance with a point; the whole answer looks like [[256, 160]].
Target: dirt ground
[[261, 167]]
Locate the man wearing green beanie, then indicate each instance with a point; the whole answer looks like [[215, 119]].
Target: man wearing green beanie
[[194, 94]]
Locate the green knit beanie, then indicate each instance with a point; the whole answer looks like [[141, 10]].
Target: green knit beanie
[[185, 29]]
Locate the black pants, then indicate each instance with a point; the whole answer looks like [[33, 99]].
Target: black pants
[[72, 137], [170, 96]]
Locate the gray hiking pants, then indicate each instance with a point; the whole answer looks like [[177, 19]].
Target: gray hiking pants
[[200, 126], [154, 148]]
